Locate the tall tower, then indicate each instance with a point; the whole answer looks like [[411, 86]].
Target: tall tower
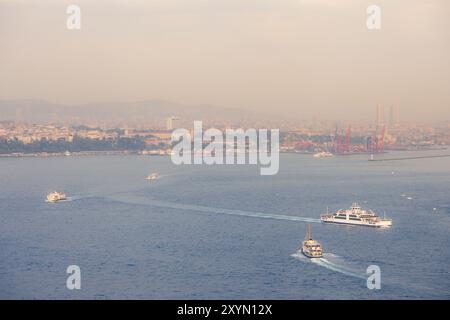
[[396, 116], [380, 115], [391, 116], [172, 123]]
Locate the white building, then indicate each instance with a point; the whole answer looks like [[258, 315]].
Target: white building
[[172, 123]]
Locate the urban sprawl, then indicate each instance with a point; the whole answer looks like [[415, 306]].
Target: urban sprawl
[[22, 139]]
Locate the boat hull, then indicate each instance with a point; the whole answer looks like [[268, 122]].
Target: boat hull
[[372, 225], [54, 201], [308, 255]]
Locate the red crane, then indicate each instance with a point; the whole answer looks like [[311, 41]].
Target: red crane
[[376, 144], [342, 143]]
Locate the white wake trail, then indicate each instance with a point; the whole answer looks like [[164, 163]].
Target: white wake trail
[[323, 262], [326, 263], [191, 207]]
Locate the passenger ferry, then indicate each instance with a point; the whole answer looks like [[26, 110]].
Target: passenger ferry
[[56, 196], [152, 176], [311, 248], [323, 154], [356, 216]]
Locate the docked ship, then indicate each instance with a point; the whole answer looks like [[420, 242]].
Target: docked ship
[[56, 196], [356, 216], [311, 248], [323, 154], [152, 176]]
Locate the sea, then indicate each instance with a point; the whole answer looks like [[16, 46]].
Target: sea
[[222, 231]]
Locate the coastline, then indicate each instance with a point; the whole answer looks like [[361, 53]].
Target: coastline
[[75, 154], [164, 152]]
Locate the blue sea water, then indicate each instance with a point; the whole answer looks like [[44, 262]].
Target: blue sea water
[[221, 232]]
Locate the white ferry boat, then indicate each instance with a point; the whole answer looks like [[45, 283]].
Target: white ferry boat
[[56, 196], [311, 248], [152, 176], [356, 216], [323, 154]]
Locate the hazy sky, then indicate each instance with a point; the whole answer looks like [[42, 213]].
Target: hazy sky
[[300, 57]]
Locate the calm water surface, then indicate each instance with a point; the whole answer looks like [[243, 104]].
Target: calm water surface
[[221, 232]]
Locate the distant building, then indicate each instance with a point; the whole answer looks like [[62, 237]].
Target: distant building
[[163, 135], [380, 115], [172, 123], [394, 116]]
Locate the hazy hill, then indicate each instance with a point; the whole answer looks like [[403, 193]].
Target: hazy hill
[[37, 111]]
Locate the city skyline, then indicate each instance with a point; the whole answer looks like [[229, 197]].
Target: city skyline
[[225, 156]]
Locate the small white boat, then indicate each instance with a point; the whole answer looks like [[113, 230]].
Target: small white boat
[[323, 154], [152, 176], [56, 196]]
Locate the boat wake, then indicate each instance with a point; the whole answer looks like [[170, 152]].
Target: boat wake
[[323, 262], [204, 209], [65, 200], [73, 198], [93, 194], [81, 197], [331, 265]]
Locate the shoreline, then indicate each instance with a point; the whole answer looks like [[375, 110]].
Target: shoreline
[[163, 153], [74, 154]]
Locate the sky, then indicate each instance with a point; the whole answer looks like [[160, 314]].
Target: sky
[[298, 58]]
